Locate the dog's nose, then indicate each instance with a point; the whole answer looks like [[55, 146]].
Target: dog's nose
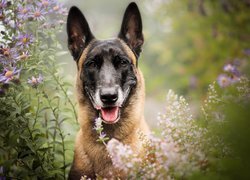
[[108, 95]]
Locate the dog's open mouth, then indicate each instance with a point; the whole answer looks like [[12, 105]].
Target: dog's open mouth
[[110, 115]]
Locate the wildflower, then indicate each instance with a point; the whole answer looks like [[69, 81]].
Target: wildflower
[[122, 155], [34, 82], [56, 8], [102, 137], [24, 55], [231, 69], [10, 22], [5, 51], [38, 13], [23, 12], [223, 80], [9, 75], [59, 9], [24, 40], [8, 55], [3, 4], [244, 89], [45, 3], [98, 124]]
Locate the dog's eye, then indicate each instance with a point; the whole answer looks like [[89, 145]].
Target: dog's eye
[[91, 64], [120, 62], [123, 62]]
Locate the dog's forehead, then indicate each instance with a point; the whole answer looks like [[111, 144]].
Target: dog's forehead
[[110, 47], [107, 46]]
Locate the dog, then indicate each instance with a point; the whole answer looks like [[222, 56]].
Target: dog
[[109, 85]]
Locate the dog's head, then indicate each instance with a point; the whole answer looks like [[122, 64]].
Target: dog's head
[[107, 69]]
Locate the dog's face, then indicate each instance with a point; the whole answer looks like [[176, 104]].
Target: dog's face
[[107, 68]]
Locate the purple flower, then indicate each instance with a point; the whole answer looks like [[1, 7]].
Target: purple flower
[[59, 9], [102, 136], [9, 22], [236, 73], [9, 75], [38, 13], [24, 56], [3, 4], [34, 82], [231, 69], [223, 80], [228, 68], [8, 55], [45, 3], [24, 40], [98, 124], [23, 12]]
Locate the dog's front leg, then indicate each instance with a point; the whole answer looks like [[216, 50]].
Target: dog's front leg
[[82, 166]]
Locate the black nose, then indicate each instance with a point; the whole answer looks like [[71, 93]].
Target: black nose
[[108, 95]]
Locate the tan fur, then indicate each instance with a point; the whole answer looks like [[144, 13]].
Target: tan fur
[[129, 52], [91, 157]]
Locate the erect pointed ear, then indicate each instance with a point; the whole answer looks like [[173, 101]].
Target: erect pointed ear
[[79, 34], [131, 29]]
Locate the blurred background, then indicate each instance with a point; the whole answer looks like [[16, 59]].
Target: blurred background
[[187, 43]]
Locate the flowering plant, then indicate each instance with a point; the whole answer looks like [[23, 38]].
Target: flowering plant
[[193, 148], [35, 101]]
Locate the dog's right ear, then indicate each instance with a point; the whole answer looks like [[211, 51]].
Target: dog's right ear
[[79, 34], [131, 28]]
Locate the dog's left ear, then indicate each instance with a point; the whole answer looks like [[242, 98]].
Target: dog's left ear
[[79, 34], [131, 29]]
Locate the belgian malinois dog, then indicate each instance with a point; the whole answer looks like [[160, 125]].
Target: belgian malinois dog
[[109, 85]]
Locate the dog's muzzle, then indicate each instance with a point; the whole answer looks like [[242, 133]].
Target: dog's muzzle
[[107, 101]]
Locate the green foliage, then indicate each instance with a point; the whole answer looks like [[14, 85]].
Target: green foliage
[[37, 114], [226, 118], [190, 41]]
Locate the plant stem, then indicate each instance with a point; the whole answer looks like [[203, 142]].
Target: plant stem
[[57, 127], [66, 95], [38, 107], [28, 128], [63, 148]]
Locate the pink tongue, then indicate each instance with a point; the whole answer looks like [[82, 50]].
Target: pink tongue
[[110, 114]]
